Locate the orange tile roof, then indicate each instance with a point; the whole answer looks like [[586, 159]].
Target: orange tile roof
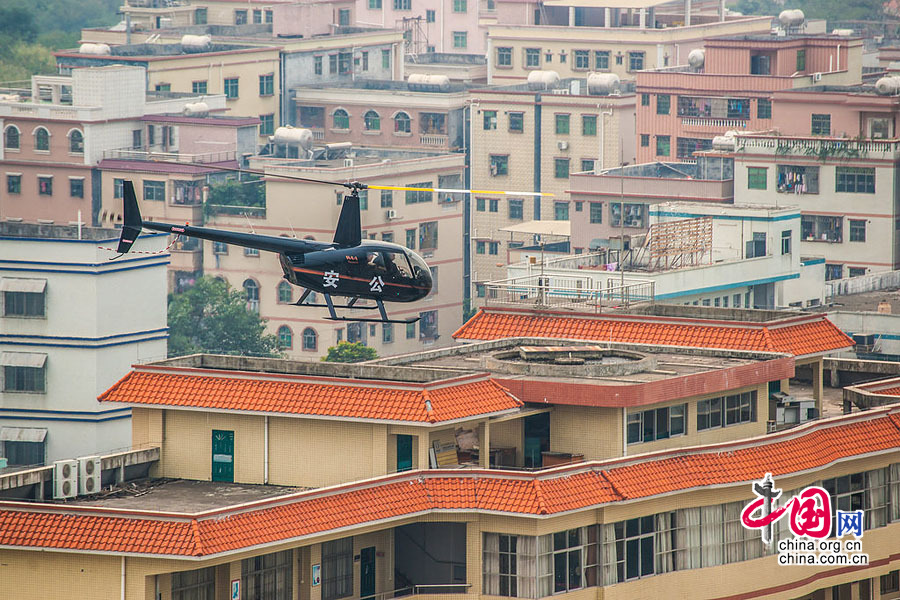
[[802, 335], [568, 488], [459, 398]]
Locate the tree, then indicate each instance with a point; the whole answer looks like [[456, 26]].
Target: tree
[[213, 317], [346, 352]]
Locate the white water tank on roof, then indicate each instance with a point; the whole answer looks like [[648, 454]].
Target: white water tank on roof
[[791, 18], [888, 86], [723, 142], [196, 109], [293, 135], [195, 43], [98, 49], [602, 83], [842, 32], [543, 80], [419, 82], [696, 58]]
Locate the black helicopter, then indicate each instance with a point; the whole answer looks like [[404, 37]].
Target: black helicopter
[[348, 267]]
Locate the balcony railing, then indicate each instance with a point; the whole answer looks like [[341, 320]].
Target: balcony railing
[[439, 141], [815, 146], [705, 122], [539, 291], [318, 134], [206, 157]]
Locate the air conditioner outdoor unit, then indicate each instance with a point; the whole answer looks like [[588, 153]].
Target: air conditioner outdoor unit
[[348, 162], [562, 145], [89, 475], [65, 479], [817, 77], [391, 214]]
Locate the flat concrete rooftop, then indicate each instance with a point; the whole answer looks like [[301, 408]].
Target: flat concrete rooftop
[[184, 496]]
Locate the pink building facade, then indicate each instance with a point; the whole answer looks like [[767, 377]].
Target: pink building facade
[[681, 109]]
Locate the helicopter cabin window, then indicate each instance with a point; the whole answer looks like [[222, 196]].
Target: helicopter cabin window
[[285, 338], [310, 339], [428, 235]]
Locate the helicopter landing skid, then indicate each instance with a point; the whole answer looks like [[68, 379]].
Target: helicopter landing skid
[[379, 304]]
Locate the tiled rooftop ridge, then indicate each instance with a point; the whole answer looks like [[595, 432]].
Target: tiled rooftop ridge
[[800, 336], [555, 491]]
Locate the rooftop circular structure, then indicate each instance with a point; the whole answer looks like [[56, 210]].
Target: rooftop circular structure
[[569, 361]]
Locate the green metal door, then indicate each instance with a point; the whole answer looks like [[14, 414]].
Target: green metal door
[[404, 452], [223, 455], [367, 573]]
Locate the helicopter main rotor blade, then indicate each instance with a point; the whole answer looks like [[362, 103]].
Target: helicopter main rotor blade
[[453, 191]]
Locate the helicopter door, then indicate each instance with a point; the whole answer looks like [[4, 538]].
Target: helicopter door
[[398, 266]]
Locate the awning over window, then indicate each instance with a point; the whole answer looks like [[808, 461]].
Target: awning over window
[[32, 286], [23, 359], [22, 434]]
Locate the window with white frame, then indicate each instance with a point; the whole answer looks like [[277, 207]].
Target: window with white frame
[[656, 423]]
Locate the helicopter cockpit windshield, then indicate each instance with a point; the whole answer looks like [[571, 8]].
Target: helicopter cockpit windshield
[[421, 272]]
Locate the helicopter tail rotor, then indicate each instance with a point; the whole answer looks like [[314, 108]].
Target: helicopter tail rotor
[[133, 223]]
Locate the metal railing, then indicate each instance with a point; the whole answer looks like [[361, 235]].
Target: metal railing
[[710, 122], [414, 590], [206, 157], [804, 145], [545, 291], [434, 140]]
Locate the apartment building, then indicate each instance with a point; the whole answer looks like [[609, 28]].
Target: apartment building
[[574, 40], [731, 87], [248, 76], [429, 223], [418, 116], [443, 26], [526, 138], [57, 132], [68, 330], [420, 528], [163, 14], [835, 160]]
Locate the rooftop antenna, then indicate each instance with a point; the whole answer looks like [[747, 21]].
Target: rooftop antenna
[[250, 225]]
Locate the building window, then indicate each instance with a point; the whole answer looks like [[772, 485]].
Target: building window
[[42, 140], [801, 60], [490, 120], [634, 215], [200, 16], [833, 271], [231, 88], [154, 190], [415, 197], [285, 338], [645, 140], [267, 577], [317, 65], [532, 58], [645, 99], [220, 248], [410, 331], [494, 248], [656, 424], [45, 185], [163, 87], [402, 4], [663, 145], [596, 212], [820, 124], [763, 109], [635, 61], [76, 142], [341, 119], [24, 372], [23, 297], [14, 184], [385, 59], [504, 55], [589, 125], [310, 339], [561, 211], [685, 147], [797, 179], [480, 247], [285, 293], [428, 235], [460, 39], [433, 123], [365, 60], [11, 138], [240, 17], [460, 6], [411, 239], [631, 551], [267, 85], [890, 583], [387, 236], [756, 178], [516, 209], [430, 16], [372, 121], [198, 87], [499, 165], [562, 124], [587, 164], [561, 168], [857, 230], [266, 124], [269, 16], [343, 17], [856, 271], [820, 228], [663, 104], [76, 187], [251, 294], [516, 122], [402, 123], [601, 60], [582, 60], [786, 241], [374, 4], [728, 410], [855, 180], [866, 491]]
